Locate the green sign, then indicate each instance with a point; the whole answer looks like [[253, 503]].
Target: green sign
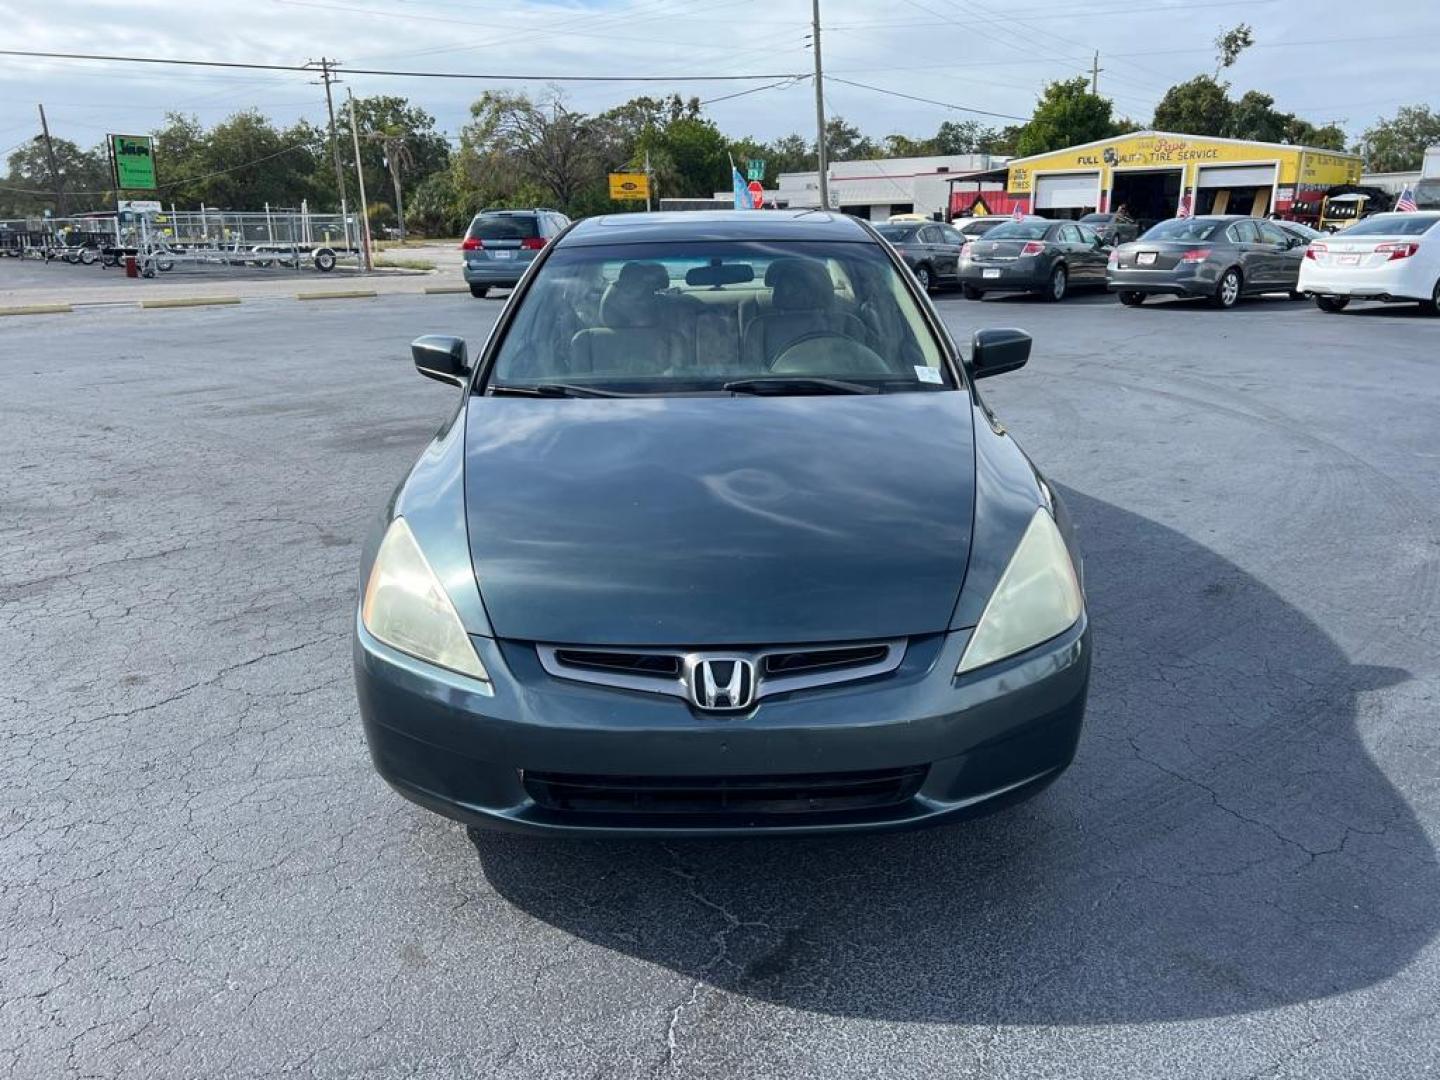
[[755, 169], [134, 158]]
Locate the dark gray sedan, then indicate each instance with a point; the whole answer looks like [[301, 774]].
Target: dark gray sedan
[[1034, 255], [719, 538], [930, 249], [1218, 257]]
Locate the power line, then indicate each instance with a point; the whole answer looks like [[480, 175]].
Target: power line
[[169, 184], [398, 74], [928, 101], [753, 90]]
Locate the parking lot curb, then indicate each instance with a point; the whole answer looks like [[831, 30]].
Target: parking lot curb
[[37, 309], [189, 301], [440, 290], [338, 294]]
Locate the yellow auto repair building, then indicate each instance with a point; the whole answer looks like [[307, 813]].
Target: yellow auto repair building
[[1157, 174]]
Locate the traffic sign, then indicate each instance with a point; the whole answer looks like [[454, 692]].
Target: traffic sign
[[629, 186], [757, 193], [755, 169]]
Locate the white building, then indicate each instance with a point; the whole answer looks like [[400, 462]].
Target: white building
[[880, 187]]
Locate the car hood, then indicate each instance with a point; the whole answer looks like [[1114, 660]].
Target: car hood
[[709, 521]]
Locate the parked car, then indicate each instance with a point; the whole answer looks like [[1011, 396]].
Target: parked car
[[972, 228], [931, 250], [704, 549], [1034, 254], [1300, 229], [1217, 256], [1385, 257], [500, 244], [1111, 228]]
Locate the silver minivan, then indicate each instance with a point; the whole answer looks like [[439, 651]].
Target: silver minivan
[[500, 244]]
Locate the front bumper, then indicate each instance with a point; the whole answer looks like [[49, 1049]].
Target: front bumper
[[1019, 275], [472, 753], [1188, 279]]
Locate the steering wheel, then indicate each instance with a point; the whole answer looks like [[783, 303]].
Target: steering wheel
[[823, 353]]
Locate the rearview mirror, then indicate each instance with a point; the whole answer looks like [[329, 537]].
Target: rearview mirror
[[998, 349], [441, 358]]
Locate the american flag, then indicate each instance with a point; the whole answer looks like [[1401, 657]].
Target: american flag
[[1019, 211], [1406, 203]]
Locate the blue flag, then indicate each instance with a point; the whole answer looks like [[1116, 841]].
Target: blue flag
[[742, 192]]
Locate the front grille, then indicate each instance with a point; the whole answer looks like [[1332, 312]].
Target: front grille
[[793, 663], [632, 663], [804, 793]]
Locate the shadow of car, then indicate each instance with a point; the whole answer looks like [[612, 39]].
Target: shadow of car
[[1224, 843]]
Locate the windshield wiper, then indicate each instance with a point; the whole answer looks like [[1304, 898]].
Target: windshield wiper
[[781, 385], [553, 390]]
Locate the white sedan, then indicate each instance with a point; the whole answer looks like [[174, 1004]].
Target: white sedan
[[1384, 257]]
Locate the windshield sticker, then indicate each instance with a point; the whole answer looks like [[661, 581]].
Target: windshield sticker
[[926, 374]]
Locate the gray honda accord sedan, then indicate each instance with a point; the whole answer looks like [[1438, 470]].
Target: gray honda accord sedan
[[720, 538]]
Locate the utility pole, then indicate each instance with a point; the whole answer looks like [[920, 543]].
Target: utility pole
[[822, 159], [327, 76], [1095, 70], [54, 169], [360, 175]]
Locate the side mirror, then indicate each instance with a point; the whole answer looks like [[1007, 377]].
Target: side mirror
[[1298, 241], [997, 350], [441, 358]]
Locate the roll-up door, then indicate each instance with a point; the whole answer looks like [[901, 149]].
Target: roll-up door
[[1237, 176], [1066, 191]]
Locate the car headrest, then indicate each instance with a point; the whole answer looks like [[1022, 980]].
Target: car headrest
[[632, 300], [800, 285]]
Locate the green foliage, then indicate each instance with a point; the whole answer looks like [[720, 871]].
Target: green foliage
[[1398, 144], [1066, 115], [1229, 45], [1201, 106], [29, 171]]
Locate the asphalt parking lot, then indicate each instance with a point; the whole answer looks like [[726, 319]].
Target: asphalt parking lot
[[201, 876]]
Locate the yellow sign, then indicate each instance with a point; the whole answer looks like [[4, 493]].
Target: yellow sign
[[1295, 165], [629, 185]]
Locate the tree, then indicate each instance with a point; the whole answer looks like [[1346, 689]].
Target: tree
[[1398, 144], [844, 142], [1229, 46], [1254, 117], [554, 147], [398, 143], [1066, 114], [1198, 107], [789, 154], [963, 137], [84, 177]]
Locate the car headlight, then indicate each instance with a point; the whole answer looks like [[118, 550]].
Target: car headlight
[[406, 607], [1038, 597]]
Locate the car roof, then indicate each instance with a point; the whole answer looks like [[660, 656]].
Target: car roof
[[681, 225]]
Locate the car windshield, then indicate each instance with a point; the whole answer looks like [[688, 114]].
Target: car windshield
[[980, 227], [1184, 229], [1019, 230], [895, 233], [1300, 229], [1394, 225], [504, 227], [693, 317], [1098, 219]]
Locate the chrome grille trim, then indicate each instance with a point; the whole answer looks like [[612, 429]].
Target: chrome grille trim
[[766, 685]]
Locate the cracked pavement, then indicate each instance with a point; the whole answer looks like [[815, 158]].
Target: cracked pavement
[[201, 876]]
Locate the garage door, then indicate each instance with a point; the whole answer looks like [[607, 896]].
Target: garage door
[[1066, 191], [1237, 176]]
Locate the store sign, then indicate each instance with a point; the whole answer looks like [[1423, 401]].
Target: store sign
[[625, 186], [134, 158], [1184, 151]]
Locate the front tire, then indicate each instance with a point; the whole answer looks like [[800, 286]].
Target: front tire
[[1131, 298], [1059, 284], [1227, 289], [479, 292], [1332, 304], [970, 292]]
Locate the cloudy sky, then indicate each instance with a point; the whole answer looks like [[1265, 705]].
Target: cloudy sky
[[1324, 59]]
